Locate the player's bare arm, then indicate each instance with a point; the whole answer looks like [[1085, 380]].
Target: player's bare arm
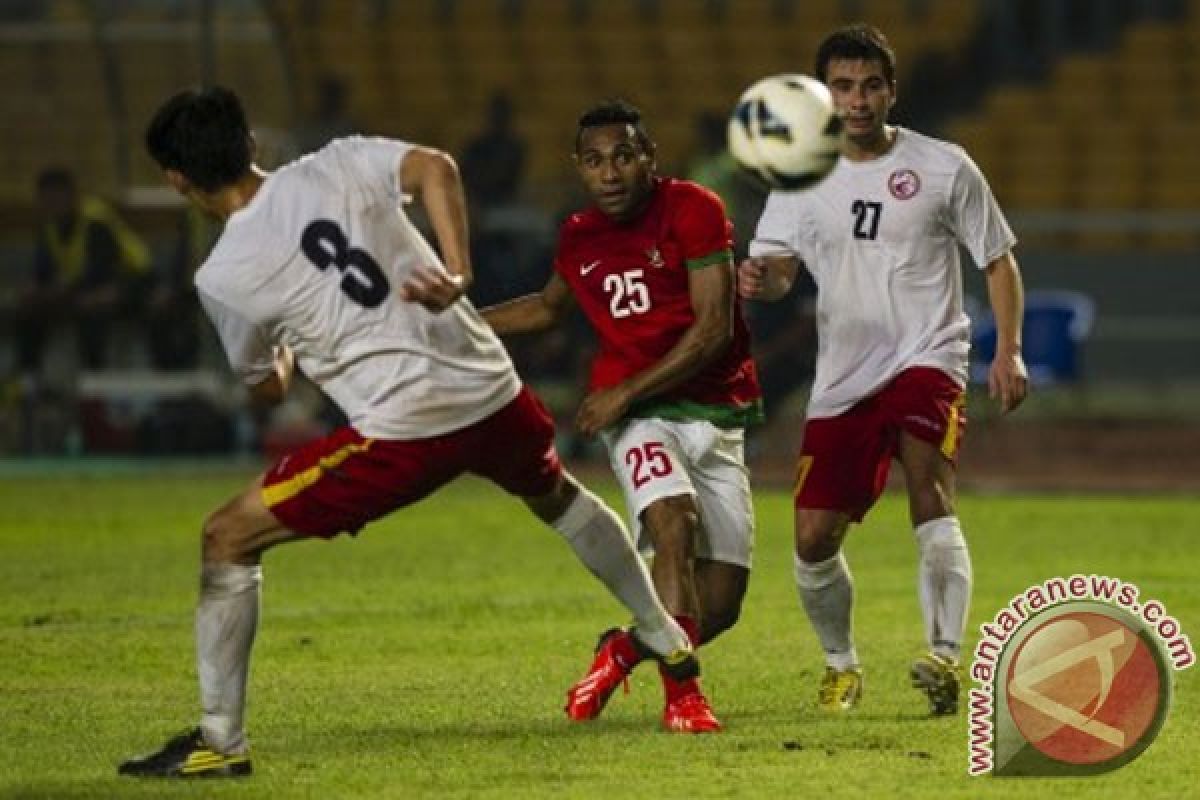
[[432, 177], [711, 292], [1007, 379], [274, 389], [533, 312], [767, 278]]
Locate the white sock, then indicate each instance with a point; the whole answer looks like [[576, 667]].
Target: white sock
[[827, 592], [226, 621], [600, 541], [944, 584]]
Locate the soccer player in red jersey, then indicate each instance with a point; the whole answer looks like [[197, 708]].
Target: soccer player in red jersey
[[671, 390]]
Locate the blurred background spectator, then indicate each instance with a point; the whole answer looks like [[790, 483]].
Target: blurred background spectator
[[1083, 115], [493, 161], [329, 118], [88, 269]]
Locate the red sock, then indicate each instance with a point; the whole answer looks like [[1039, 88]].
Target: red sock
[[690, 627], [674, 689]]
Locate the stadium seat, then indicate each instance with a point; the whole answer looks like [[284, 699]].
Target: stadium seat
[[1056, 325]]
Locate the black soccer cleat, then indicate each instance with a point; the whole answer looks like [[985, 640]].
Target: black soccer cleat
[[937, 676], [188, 756]]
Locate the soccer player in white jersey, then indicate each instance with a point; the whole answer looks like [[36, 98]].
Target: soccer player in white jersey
[[880, 237], [319, 267]]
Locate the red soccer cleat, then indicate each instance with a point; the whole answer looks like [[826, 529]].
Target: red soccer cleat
[[587, 698], [690, 713]]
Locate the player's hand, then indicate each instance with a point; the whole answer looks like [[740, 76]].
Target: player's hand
[[285, 364], [752, 277], [1008, 380], [601, 409], [436, 290]]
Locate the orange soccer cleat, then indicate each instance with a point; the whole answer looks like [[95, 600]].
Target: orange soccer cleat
[[690, 713]]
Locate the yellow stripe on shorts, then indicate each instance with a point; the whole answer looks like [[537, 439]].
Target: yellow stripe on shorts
[[950, 440], [802, 469], [285, 490]]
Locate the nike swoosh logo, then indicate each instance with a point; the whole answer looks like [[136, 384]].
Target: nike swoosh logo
[[586, 268]]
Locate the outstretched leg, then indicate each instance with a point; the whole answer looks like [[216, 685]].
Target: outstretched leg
[[234, 538], [600, 541], [599, 538]]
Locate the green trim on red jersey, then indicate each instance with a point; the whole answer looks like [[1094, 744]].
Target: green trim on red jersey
[[719, 415], [715, 257]]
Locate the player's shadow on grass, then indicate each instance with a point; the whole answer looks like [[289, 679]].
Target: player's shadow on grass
[[390, 736], [754, 717]]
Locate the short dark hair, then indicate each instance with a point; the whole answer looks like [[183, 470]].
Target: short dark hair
[[614, 112], [55, 178], [203, 134], [858, 42]]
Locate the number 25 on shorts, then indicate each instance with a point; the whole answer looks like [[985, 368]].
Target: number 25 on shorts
[[647, 461]]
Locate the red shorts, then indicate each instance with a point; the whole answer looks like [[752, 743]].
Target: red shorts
[[343, 481], [844, 460]]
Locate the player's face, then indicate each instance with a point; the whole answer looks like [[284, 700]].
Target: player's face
[[616, 169], [862, 96]]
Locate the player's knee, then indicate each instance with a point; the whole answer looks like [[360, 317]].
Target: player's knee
[[554, 505], [931, 499], [721, 618], [221, 538], [817, 541]]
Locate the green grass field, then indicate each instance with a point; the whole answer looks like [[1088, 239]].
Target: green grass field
[[430, 657]]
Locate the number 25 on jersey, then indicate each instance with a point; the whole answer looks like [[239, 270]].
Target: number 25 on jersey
[[627, 293], [647, 462]]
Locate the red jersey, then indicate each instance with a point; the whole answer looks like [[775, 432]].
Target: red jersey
[[631, 281]]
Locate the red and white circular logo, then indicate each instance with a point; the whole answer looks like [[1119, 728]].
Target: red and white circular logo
[[903, 184], [1084, 688]]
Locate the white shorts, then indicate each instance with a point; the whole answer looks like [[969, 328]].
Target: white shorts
[[657, 458]]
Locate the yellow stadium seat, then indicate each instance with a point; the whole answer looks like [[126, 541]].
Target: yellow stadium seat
[[1151, 40], [1075, 72], [548, 15], [1115, 189], [688, 16], [1014, 105], [1027, 192], [1177, 135], [1180, 194]]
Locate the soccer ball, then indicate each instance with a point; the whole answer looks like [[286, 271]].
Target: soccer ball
[[785, 132]]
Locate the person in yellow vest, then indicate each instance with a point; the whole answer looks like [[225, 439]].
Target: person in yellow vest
[[86, 262]]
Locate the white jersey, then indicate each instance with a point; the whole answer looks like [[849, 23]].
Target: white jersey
[[880, 239], [314, 261]]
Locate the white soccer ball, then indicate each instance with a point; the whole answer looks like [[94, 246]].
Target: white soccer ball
[[784, 130]]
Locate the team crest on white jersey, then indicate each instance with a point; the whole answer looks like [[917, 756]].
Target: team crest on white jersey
[[903, 184], [656, 259]]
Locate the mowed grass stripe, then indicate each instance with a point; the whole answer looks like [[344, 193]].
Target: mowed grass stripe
[[429, 657]]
